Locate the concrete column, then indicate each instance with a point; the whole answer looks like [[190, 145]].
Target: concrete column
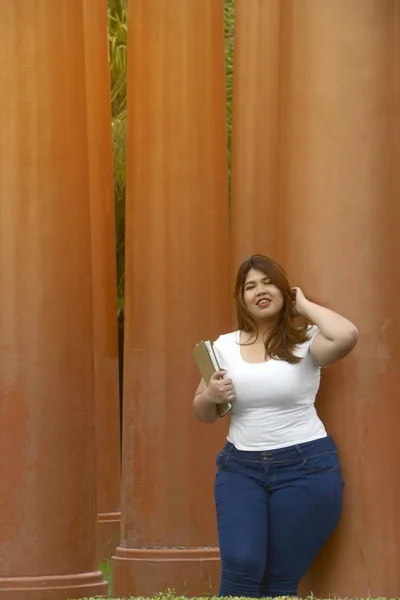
[[47, 442], [321, 193], [340, 218], [104, 277], [177, 293], [256, 117]]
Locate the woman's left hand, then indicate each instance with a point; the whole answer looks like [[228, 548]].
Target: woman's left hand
[[299, 302]]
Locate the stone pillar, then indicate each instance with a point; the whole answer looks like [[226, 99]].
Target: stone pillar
[[340, 229], [177, 293], [255, 144], [104, 277], [328, 208], [47, 442]]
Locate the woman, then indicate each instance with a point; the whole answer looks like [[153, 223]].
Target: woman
[[278, 488]]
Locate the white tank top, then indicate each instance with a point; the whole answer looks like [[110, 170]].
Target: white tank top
[[274, 403]]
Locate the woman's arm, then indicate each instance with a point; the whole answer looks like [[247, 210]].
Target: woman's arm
[[337, 336], [204, 408], [219, 391]]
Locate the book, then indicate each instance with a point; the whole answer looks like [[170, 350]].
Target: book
[[207, 363]]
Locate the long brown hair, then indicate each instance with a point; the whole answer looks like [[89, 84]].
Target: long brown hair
[[280, 343]]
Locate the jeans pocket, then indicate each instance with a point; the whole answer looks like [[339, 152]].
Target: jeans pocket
[[325, 462], [221, 460]]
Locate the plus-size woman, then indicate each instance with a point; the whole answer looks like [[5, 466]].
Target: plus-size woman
[[278, 487]]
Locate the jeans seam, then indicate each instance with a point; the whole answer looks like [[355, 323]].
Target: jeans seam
[[316, 471], [311, 470], [305, 456], [271, 461], [334, 490], [246, 460]]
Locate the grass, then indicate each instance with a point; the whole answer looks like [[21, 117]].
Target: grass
[[170, 596], [105, 567]]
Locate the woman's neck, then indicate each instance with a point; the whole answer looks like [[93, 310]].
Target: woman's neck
[[264, 329]]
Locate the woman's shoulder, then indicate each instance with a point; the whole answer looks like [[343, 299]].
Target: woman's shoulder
[[226, 339], [303, 349], [312, 331]]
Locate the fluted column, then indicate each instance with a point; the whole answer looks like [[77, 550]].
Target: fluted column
[[47, 441], [256, 117], [341, 215], [104, 277], [334, 219], [340, 218], [177, 293]]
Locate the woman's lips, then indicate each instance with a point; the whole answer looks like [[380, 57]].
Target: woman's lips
[[263, 302]]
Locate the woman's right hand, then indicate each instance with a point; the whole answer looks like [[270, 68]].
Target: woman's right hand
[[220, 389]]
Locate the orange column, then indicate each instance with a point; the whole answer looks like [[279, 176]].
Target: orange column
[[255, 143], [334, 224], [47, 442], [177, 293], [104, 277], [340, 220]]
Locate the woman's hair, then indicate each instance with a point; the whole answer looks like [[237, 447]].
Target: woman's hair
[[281, 342]]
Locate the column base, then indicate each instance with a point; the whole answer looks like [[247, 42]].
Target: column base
[[108, 535], [145, 572], [64, 587]]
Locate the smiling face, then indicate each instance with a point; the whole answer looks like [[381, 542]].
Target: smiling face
[[262, 298], [264, 305]]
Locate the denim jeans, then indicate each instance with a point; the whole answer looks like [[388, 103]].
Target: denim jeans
[[275, 510]]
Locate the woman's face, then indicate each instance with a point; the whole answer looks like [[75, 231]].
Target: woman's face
[[262, 298]]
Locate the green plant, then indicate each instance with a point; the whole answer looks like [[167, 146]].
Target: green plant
[[105, 567], [117, 36]]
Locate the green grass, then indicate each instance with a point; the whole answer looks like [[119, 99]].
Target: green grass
[[105, 567], [168, 596]]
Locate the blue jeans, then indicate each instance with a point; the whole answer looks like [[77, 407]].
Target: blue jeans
[[275, 510]]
